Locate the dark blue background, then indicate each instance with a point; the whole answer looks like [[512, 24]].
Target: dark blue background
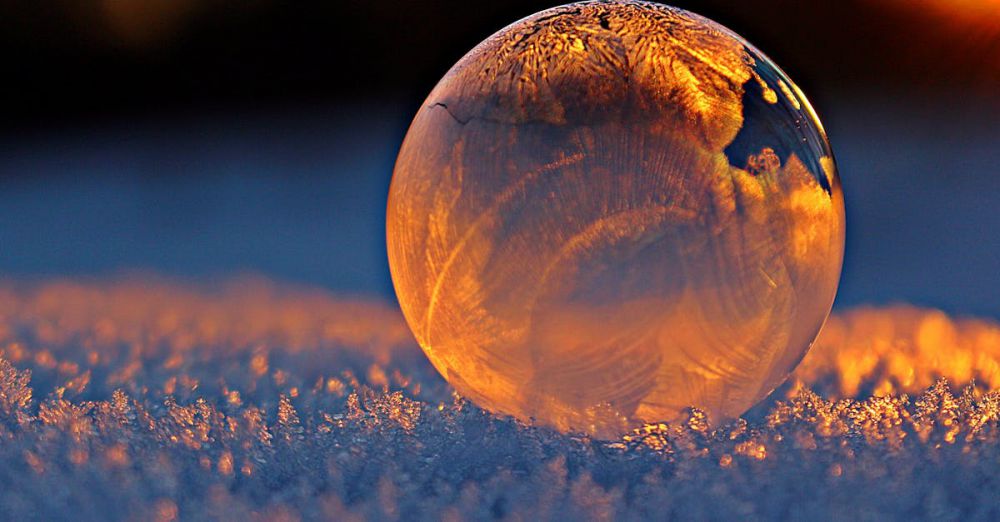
[[199, 138], [300, 195]]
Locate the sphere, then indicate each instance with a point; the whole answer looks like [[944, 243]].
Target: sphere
[[609, 212]]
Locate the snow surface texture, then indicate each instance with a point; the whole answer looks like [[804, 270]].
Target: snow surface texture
[[148, 399]]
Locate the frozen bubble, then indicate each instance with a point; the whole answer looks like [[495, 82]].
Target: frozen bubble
[[608, 212]]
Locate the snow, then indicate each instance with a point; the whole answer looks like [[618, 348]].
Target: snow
[[144, 398]]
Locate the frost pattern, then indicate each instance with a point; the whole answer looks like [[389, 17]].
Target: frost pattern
[[138, 399]]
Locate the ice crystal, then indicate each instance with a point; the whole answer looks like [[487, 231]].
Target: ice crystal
[[156, 400]]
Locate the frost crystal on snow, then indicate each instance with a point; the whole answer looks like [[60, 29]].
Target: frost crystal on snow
[[360, 425]]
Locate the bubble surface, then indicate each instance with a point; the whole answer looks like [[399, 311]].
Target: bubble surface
[[608, 212]]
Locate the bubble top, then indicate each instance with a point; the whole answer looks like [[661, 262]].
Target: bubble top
[[590, 61]]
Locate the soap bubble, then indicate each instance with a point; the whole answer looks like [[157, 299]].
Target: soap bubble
[[609, 212]]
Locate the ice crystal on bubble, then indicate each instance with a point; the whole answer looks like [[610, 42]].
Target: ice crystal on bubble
[[608, 212]]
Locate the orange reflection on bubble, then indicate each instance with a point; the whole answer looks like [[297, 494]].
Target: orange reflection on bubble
[[608, 212]]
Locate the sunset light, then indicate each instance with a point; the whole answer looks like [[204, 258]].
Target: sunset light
[[500, 261]]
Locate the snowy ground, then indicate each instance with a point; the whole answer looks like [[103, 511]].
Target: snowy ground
[[149, 399]]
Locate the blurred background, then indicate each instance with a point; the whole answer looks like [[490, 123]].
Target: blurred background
[[200, 138]]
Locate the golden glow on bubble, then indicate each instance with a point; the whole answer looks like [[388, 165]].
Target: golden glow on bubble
[[609, 212]]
